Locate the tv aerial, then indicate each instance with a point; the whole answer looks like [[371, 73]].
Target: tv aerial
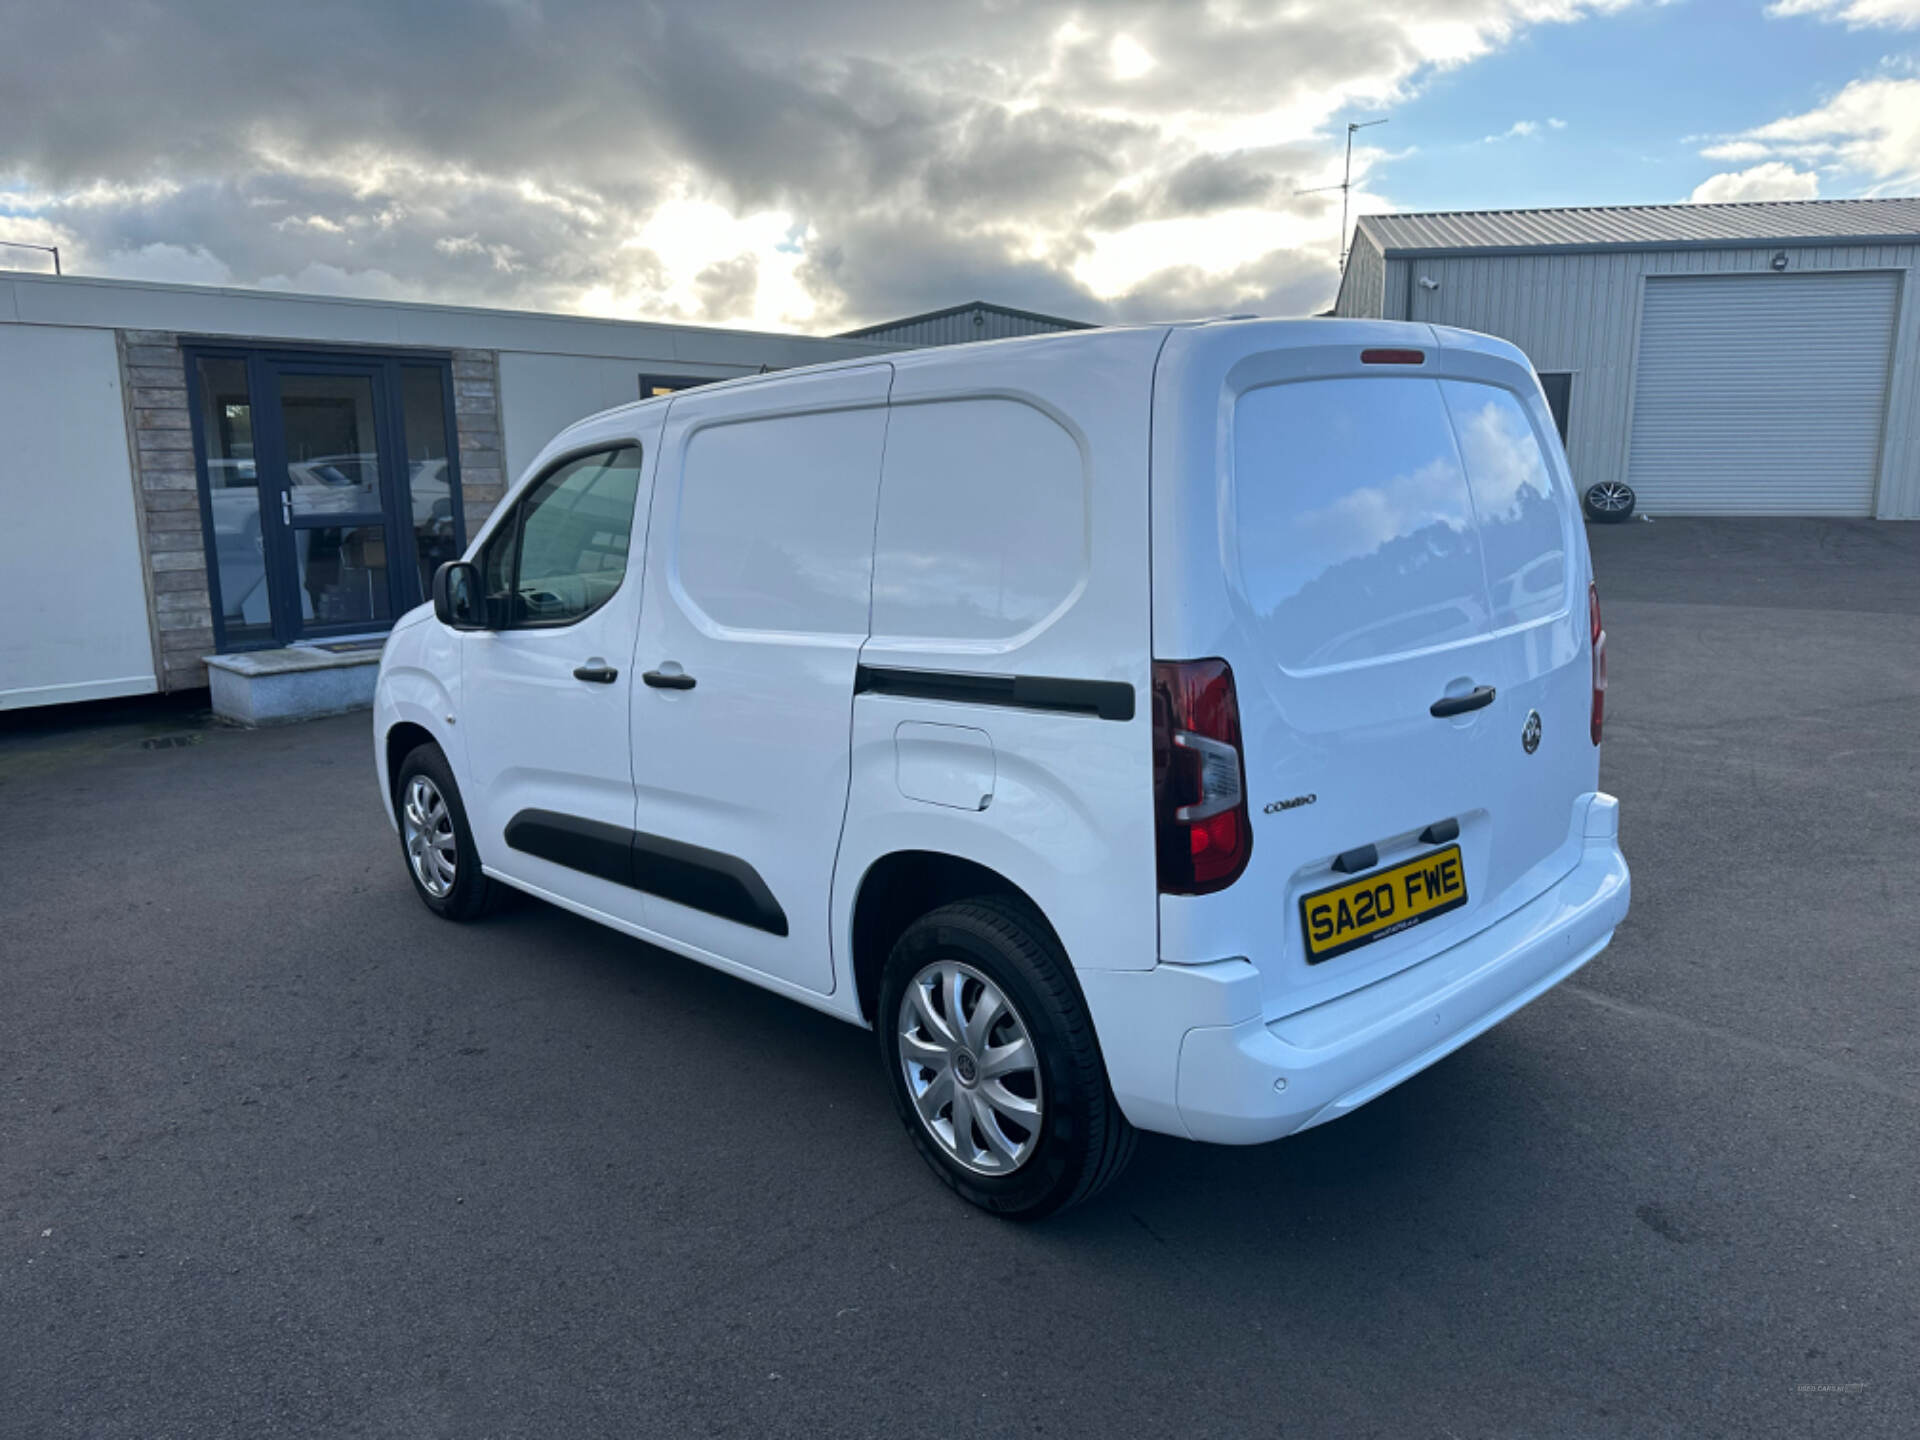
[[1346, 181]]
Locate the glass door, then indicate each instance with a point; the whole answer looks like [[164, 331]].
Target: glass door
[[329, 488], [330, 481]]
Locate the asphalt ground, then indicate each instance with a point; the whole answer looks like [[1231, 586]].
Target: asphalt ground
[[282, 1154]]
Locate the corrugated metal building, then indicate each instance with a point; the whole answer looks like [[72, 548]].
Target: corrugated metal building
[[962, 324], [1750, 359]]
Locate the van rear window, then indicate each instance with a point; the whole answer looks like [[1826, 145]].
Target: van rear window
[[1523, 527], [1354, 522]]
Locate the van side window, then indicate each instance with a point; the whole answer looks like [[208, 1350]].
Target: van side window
[[983, 521], [563, 553], [496, 570], [775, 530], [1522, 528]]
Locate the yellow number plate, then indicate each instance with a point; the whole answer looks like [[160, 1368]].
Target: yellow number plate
[[1358, 912]]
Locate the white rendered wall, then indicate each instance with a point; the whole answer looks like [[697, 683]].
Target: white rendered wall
[[540, 395], [70, 566]]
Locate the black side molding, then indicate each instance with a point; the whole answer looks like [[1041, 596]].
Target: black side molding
[[589, 846], [706, 880], [709, 880], [1108, 699]]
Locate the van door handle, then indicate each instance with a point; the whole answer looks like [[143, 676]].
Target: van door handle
[[596, 673], [1476, 699], [660, 680]]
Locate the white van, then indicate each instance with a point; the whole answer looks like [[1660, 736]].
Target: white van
[[1189, 728]]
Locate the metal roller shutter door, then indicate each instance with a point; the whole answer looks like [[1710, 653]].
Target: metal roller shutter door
[[1761, 394]]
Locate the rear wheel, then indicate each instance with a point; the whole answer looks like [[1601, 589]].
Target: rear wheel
[[1609, 502], [436, 839], [992, 1061]]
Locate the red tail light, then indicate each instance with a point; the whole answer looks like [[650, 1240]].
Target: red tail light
[[1599, 660], [1199, 777]]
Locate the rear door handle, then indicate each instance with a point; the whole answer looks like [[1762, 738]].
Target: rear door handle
[[660, 680], [1476, 699], [596, 674]]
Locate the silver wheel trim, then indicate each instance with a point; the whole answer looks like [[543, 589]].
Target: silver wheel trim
[[954, 1022], [1608, 496], [427, 825]]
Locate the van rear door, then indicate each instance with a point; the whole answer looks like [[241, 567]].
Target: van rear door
[[1397, 576]]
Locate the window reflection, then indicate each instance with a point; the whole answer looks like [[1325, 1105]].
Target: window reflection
[[239, 555], [1355, 526], [343, 573], [1522, 530], [576, 528], [429, 470], [333, 457]]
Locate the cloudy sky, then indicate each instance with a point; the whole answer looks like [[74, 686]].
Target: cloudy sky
[[820, 164]]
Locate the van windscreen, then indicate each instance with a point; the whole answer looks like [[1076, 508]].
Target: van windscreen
[[1355, 527]]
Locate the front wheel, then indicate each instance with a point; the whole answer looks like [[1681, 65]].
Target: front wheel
[[436, 839], [993, 1064]]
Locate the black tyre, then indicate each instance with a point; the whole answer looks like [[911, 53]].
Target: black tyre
[[1608, 503], [992, 1062], [435, 839]]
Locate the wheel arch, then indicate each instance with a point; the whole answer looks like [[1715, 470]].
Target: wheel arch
[[901, 886], [401, 740]]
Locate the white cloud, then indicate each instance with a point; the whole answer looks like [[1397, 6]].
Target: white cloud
[[173, 264], [737, 161], [1523, 130], [319, 279], [1775, 180], [1519, 130], [1130, 58], [1870, 130], [1737, 151], [1855, 14]]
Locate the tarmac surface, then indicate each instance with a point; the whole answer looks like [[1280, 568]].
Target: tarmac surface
[[282, 1154]]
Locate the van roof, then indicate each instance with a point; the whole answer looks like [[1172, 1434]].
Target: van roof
[[1320, 329]]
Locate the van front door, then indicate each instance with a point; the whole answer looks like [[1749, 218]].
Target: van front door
[[757, 598], [548, 686]]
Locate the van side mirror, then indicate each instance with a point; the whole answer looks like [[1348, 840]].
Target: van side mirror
[[456, 596]]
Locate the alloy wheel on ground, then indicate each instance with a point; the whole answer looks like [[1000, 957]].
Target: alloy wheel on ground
[[1609, 499], [432, 849], [971, 1069]]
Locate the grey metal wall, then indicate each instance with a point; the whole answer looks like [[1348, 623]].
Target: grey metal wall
[[1581, 313], [1363, 283], [959, 329]]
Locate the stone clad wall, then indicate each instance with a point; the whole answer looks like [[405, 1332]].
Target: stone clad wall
[[476, 419], [153, 380]]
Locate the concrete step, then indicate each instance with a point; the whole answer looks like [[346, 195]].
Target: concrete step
[[299, 682]]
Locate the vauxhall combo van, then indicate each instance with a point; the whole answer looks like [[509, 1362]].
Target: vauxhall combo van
[[1191, 728]]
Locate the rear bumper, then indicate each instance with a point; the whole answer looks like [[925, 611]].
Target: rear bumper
[[1189, 1053]]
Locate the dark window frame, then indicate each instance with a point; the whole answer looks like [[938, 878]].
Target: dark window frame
[[1563, 412], [673, 384], [511, 531], [266, 424]]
